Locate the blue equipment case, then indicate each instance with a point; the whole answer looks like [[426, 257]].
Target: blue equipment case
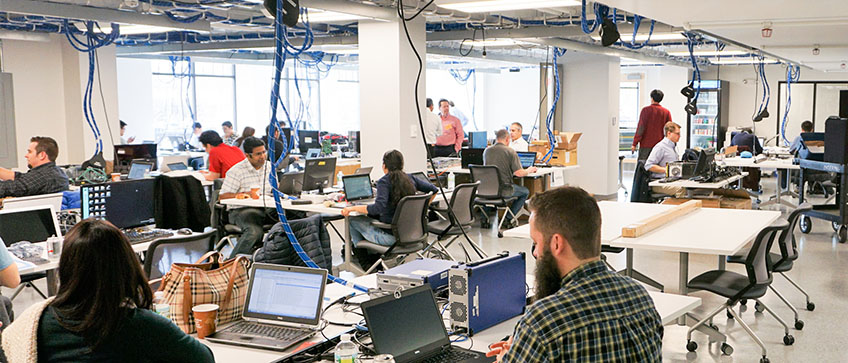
[[487, 292]]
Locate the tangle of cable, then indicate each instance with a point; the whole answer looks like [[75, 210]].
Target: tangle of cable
[[793, 74], [558, 52]]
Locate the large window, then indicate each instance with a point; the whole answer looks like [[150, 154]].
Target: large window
[[628, 111]]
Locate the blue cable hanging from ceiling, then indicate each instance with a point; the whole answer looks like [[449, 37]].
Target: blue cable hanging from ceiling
[[793, 74], [558, 52], [93, 40]]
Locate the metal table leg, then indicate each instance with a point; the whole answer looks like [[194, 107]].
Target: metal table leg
[[722, 262], [628, 269], [348, 264], [683, 278]]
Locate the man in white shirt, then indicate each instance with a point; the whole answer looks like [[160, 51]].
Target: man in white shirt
[[663, 153], [432, 124], [516, 139], [194, 139]]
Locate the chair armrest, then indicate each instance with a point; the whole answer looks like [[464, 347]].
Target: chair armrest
[[154, 282], [381, 225]]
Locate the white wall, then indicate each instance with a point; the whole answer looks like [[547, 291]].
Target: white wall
[[509, 97], [590, 99], [135, 87]]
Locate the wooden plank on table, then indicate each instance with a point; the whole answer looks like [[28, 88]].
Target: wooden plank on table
[[649, 224]]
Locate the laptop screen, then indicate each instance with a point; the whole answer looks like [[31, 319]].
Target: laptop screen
[[285, 293], [527, 159], [40, 225], [357, 187], [389, 322], [177, 166], [137, 170]]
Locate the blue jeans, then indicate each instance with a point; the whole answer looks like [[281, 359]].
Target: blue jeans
[[362, 229], [520, 193]]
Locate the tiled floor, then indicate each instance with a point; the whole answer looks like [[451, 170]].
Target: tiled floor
[[819, 270]]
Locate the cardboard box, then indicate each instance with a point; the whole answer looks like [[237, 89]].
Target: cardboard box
[[734, 198], [539, 147], [563, 157], [567, 140]]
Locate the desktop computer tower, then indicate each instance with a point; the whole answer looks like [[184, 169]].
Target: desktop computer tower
[[484, 293], [836, 140], [353, 142]]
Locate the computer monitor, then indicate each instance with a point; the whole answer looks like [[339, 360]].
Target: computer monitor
[[313, 153], [357, 187], [477, 140], [125, 154], [527, 159], [470, 157], [178, 142], [285, 133], [126, 204], [420, 176], [319, 173], [353, 142], [703, 167], [308, 139], [40, 224], [526, 137], [139, 168], [290, 183]]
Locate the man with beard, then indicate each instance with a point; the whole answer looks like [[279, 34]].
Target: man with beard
[[582, 311]]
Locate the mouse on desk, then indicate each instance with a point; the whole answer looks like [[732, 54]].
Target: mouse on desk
[[185, 231]]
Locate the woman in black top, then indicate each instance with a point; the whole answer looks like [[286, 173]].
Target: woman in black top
[[391, 188], [101, 312]]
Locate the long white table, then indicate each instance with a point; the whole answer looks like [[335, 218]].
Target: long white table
[[540, 171]]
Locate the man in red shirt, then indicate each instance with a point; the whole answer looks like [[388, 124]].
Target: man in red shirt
[[452, 135], [651, 122], [221, 156]]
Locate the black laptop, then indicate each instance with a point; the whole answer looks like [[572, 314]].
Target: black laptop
[[407, 325], [471, 157]]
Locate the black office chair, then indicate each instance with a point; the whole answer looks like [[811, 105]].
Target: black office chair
[[27, 280], [736, 287], [462, 205], [489, 193], [162, 253], [409, 226], [783, 262], [641, 192]]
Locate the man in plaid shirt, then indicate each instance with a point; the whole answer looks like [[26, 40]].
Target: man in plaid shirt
[[44, 177], [248, 173], [583, 312]]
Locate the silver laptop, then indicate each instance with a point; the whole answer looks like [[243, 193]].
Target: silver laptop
[[282, 308], [357, 189]]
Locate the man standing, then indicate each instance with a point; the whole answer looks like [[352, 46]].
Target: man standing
[[249, 173], [663, 153], [221, 156], [517, 141], [582, 311], [452, 135], [125, 140], [43, 177], [230, 135], [432, 125], [650, 129], [509, 165]]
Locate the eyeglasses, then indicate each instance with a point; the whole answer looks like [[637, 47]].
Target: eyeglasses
[[258, 153]]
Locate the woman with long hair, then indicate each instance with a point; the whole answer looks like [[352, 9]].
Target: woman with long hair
[[391, 188], [102, 310], [248, 132]]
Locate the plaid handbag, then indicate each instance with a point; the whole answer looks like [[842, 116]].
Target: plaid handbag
[[206, 282]]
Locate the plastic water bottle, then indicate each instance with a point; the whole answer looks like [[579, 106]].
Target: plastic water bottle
[[346, 350], [339, 178], [160, 306], [451, 180]]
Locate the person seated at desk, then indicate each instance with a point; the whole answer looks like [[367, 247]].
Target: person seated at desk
[[43, 177], [247, 132], [222, 157], [279, 149], [516, 139], [125, 140], [747, 141], [230, 135], [797, 145], [9, 276], [506, 159], [663, 153], [102, 311], [391, 188], [452, 136], [582, 310], [250, 172]]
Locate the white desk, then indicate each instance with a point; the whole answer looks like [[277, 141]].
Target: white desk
[[539, 171], [769, 163], [689, 184]]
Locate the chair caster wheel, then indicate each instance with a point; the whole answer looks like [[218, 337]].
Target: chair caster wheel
[[759, 307], [764, 360], [691, 346], [729, 315], [799, 324], [811, 306], [500, 234], [743, 302], [726, 349], [788, 339]]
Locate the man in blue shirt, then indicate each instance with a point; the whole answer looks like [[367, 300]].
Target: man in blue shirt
[[9, 276], [806, 126], [663, 153]]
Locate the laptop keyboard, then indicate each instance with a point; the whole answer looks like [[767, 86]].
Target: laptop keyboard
[[266, 330], [450, 355]]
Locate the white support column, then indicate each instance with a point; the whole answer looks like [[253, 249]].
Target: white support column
[[387, 73], [590, 95]]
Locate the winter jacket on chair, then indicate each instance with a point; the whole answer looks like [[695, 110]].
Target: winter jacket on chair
[[312, 236]]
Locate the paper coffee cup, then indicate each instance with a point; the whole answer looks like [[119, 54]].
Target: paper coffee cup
[[254, 192], [205, 319], [116, 176]]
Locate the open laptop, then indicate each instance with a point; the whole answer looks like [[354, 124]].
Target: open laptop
[[41, 224], [357, 188], [139, 168], [53, 199], [290, 183], [365, 170], [313, 153], [407, 325], [282, 308], [471, 157], [527, 159], [177, 166]]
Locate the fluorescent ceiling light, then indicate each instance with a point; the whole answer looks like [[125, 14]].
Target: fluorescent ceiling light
[[323, 16], [340, 49], [504, 5], [742, 61], [708, 53], [130, 29], [635, 62], [644, 37]]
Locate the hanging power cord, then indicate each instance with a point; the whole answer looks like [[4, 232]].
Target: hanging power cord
[[462, 79], [558, 52], [693, 89], [793, 74], [762, 111], [451, 215], [536, 119]]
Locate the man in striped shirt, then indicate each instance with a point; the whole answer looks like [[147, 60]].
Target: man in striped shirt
[[583, 312]]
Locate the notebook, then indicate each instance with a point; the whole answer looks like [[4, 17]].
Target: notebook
[[407, 325], [282, 308]]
